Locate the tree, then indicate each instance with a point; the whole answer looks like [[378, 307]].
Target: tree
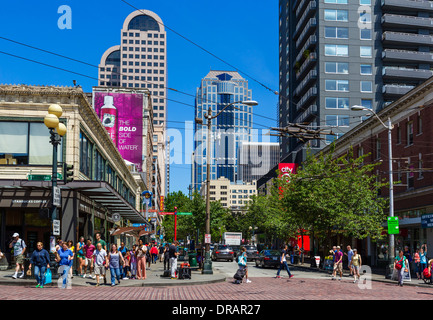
[[333, 195]]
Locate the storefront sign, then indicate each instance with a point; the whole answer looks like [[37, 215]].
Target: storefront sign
[[427, 221], [393, 227]]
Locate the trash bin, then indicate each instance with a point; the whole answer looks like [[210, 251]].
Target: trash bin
[[193, 259]]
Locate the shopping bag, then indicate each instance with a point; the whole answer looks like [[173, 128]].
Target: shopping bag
[[48, 276]]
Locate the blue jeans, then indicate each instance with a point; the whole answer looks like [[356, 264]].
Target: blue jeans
[[285, 266], [40, 274], [115, 273]]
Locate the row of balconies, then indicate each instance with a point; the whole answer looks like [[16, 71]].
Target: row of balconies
[[407, 5], [396, 20], [406, 73], [389, 37], [309, 28], [308, 63], [407, 56], [312, 40], [307, 13], [304, 83], [396, 89], [307, 97], [308, 115]]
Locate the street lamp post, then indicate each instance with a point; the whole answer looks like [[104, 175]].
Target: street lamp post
[[207, 266], [57, 131], [389, 127]]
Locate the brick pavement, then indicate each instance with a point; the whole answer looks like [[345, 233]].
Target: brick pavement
[[260, 289]]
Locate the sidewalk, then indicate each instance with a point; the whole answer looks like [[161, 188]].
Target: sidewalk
[[153, 279], [377, 275]]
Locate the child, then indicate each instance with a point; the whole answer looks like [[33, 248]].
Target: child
[[127, 266], [133, 262]]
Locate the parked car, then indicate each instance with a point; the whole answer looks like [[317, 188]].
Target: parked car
[[223, 251], [236, 250], [252, 253], [268, 258]]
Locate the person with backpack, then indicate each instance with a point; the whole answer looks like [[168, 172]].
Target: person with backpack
[[242, 263], [400, 265], [19, 248]]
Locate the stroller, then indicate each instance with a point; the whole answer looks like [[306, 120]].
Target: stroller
[[239, 276], [427, 276]]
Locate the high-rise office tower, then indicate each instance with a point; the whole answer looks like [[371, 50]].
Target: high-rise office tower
[[255, 159], [232, 127], [335, 54], [140, 61]]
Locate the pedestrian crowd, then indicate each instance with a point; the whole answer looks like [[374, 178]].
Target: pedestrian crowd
[[92, 260]]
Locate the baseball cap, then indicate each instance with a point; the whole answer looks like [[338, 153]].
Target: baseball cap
[[15, 235]]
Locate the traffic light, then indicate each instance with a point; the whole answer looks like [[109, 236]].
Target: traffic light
[[68, 173]]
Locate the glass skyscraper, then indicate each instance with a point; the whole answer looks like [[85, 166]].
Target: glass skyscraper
[[232, 127]]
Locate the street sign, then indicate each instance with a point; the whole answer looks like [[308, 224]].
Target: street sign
[[207, 238], [184, 213], [427, 221], [43, 177], [56, 227], [57, 199], [393, 226]]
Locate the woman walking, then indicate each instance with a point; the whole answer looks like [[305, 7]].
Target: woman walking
[[141, 260], [423, 259], [283, 262], [81, 258], [356, 264], [400, 265], [41, 260], [416, 260], [64, 258], [115, 259], [72, 248]]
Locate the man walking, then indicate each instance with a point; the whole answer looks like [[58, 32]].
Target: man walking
[[283, 262], [338, 264], [349, 255], [172, 254], [19, 247]]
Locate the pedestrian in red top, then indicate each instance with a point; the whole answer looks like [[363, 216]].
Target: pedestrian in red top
[[338, 263], [154, 252]]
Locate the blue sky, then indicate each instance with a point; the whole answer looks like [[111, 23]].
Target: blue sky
[[243, 33]]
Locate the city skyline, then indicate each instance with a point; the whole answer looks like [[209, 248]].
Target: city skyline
[[185, 62]]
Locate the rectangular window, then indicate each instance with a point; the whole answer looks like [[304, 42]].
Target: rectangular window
[[337, 67], [419, 125], [365, 34], [409, 132], [378, 148], [366, 51], [337, 85], [336, 33], [365, 2], [336, 1], [337, 120], [336, 15], [366, 69], [336, 103], [336, 50], [367, 103], [366, 86]]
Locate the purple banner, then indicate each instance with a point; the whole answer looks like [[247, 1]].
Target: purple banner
[[122, 116]]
